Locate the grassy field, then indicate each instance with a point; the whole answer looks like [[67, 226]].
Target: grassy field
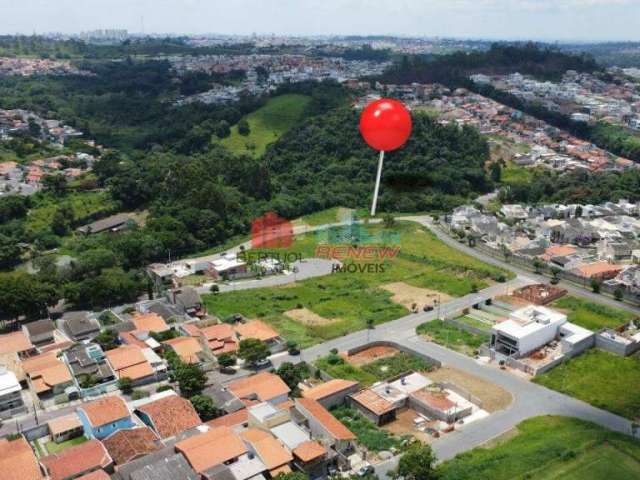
[[331, 215], [267, 124], [367, 433], [452, 337], [53, 447], [550, 448], [83, 205], [600, 378], [347, 301], [375, 371], [593, 316]]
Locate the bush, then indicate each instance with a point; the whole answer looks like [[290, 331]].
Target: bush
[[138, 394], [163, 388], [125, 385], [61, 398]]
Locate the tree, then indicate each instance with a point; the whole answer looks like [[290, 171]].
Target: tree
[[618, 294], [222, 129], [243, 128], [57, 184], [496, 172], [595, 285], [417, 463], [293, 374], [226, 360], [214, 288], [388, 221], [555, 272], [538, 265], [253, 350], [292, 476], [107, 339], [125, 385], [24, 294], [578, 212], [205, 407], [191, 379]]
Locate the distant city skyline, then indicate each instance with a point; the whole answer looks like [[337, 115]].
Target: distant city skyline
[[547, 20]]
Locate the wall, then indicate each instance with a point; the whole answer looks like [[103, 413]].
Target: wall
[[338, 398], [398, 346], [609, 345]]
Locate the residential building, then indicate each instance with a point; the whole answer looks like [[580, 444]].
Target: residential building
[[130, 361], [79, 326], [76, 461], [164, 464], [39, 332], [114, 223], [100, 418], [11, 402], [219, 338], [168, 416], [211, 448], [88, 365], [187, 301], [65, 428], [17, 460], [270, 451], [187, 348], [129, 444], [331, 393], [149, 322], [262, 387], [261, 331], [324, 427], [46, 374], [18, 343]]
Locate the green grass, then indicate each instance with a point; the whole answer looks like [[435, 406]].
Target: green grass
[[267, 124], [397, 364], [452, 337], [516, 175], [375, 371], [473, 322], [366, 432], [83, 204], [551, 448], [593, 316], [53, 447], [352, 299], [331, 215], [600, 378], [337, 367]]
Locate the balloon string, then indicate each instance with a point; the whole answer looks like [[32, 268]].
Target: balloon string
[[377, 187]]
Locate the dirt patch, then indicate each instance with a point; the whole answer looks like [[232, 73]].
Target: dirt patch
[[403, 425], [371, 355], [493, 398], [515, 301], [406, 295], [307, 317]]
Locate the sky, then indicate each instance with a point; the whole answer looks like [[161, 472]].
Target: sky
[[550, 20]]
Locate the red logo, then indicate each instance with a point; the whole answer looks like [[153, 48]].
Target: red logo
[[271, 231]]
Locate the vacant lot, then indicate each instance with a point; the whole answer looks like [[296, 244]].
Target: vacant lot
[[351, 300], [551, 448], [452, 337], [493, 397], [600, 378], [593, 316], [370, 355], [408, 295], [267, 124]]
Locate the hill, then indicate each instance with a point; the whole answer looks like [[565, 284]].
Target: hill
[[267, 124]]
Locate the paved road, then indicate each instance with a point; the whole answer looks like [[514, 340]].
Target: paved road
[[570, 287]]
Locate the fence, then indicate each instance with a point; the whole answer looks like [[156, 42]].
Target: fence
[[468, 328]]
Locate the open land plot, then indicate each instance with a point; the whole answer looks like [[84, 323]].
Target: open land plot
[[324, 217], [550, 448], [600, 378], [591, 315], [371, 354], [493, 398], [352, 300], [267, 124], [450, 336], [408, 295], [307, 317]]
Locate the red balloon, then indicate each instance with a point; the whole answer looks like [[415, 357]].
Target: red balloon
[[385, 124]]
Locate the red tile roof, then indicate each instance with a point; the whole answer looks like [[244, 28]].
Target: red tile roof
[[105, 410], [77, 460], [215, 447], [330, 423], [17, 460], [171, 415], [129, 444], [265, 385], [231, 420]]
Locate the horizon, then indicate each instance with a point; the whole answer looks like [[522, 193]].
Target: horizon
[[563, 21]]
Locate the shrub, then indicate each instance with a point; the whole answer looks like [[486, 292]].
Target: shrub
[[138, 394], [163, 388]]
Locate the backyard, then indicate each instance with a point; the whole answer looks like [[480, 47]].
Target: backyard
[[342, 303], [367, 432], [452, 337], [53, 447], [593, 316], [550, 448], [600, 378]]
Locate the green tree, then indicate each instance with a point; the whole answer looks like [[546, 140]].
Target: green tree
[[538, 265], [226, 360], [125, 384], [56, 184], [191, 379], [253, 350], [595, 285], [23, 294], [222, 129], [243, 128], [496, 172], [107, 339], [417, 463], [388, 221], [205, 407], [293, 374], [618, 294]]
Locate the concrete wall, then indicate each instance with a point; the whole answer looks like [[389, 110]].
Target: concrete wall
[[398, 346], [605, 343], [338, 398]]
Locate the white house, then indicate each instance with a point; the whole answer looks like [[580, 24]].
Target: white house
[[10, 396]]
